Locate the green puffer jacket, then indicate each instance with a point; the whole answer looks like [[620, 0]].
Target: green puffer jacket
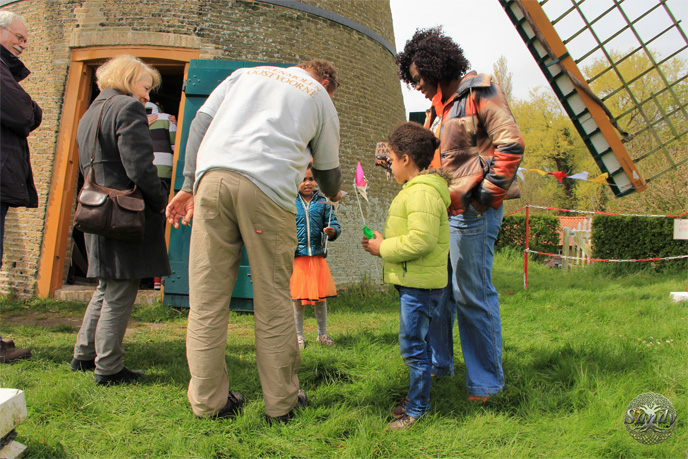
[[416, 244]]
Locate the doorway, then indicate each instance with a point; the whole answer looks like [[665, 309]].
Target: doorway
[[58, 243], [168, 99]]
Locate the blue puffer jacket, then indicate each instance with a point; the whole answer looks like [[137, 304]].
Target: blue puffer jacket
[[311, 218]]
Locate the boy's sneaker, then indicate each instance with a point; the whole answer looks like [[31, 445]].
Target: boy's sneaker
[[302, 343], [403, 422], [478, 400], [157, 283], [400, 408], [326, 340]]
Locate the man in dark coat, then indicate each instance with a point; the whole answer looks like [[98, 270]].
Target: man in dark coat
[[19, 115]]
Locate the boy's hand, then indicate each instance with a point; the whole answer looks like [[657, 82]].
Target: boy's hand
[[372, 246], [329, 231]]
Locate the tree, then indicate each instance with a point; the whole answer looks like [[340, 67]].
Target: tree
[[503, 76], [653, 115], [552, 144]]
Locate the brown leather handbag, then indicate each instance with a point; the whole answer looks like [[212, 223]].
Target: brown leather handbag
[[115, 214]]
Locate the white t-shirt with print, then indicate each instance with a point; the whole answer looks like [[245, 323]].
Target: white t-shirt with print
[[267, 123]]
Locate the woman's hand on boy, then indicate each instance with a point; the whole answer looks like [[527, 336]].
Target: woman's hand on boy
[[372, 246]]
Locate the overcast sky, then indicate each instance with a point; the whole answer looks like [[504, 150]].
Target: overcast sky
[[484, 31]]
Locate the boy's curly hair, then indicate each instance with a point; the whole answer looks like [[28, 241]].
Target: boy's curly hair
[[437, 57], [414, 140]]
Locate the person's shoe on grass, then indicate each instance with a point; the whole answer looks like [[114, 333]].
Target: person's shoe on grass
[[124, 376], [235, 403], [400, 408], [325, 339], [301, 402], [403, 422], [82, 365], [10, 353]]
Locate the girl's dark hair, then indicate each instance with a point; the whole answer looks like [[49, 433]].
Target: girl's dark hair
[[437, 57], [414, 140]]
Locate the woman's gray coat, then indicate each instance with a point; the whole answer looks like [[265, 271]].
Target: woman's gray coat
[[124, 158]]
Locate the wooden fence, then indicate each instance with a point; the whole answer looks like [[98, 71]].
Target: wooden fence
[[577, 244]]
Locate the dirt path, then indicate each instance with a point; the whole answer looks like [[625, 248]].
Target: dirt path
[[42, 319]]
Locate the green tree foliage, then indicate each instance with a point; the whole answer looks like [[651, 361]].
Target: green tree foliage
[[553, 144], [636, 82]]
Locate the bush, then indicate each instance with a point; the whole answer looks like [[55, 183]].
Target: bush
[[543, 234], [633, 238]]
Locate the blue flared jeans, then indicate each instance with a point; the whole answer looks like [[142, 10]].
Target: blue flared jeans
[[417, 306], [471, 298]]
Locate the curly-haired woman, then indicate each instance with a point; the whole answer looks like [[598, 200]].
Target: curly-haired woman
[[482, 147]]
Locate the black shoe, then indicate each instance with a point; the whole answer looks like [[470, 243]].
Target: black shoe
[[82, 365], [235, 402], [122, 377], [10, 353], [301, 401]]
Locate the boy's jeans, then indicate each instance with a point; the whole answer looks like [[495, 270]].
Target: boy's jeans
[[417, 306], [471, 298]]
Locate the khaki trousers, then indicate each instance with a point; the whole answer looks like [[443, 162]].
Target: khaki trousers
[[105, 321], [230, 211]]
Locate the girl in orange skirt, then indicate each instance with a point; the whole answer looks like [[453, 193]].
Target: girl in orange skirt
[[311, 281]]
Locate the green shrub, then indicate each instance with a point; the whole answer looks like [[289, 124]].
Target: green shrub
[[543, 234], [634, 238]]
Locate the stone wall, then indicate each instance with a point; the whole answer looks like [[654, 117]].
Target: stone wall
[[369, 101]]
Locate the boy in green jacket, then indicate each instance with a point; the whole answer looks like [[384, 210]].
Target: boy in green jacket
[[415, 248]]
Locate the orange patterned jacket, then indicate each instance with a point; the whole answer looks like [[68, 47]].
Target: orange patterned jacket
[[480, 144]]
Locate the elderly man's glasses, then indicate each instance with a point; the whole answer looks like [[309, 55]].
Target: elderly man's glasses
[[20, 38]]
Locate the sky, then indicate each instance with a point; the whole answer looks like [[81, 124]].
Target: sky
[[485, 32]]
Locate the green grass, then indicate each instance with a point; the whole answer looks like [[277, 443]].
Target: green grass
[[577, 349]]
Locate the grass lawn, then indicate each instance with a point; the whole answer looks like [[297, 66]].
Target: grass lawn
[[577, 349]]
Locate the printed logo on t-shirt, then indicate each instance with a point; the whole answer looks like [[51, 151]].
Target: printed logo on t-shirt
[[304, 84]]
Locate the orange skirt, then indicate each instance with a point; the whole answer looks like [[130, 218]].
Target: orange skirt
[[311, 281]]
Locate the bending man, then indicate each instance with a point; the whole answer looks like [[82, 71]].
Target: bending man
[[247, 152]]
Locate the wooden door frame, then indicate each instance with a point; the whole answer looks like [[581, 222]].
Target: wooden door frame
[[66, 164]]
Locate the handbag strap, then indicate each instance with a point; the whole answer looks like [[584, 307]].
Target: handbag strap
[[90, 177], [95, 135]]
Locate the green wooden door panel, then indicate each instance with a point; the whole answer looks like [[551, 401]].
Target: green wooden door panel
[[203, 77]]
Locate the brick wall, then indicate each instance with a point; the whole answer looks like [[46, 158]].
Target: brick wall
[[369, 102]]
